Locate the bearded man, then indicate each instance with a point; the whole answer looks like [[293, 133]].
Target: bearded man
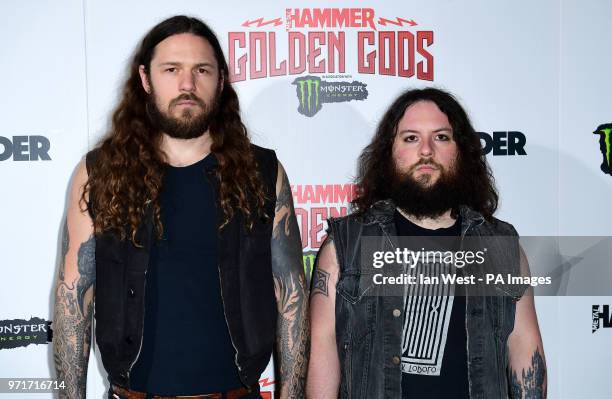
[[185, 234], [424, 175]]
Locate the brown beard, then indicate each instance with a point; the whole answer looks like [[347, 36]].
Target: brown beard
[[419, 199], [188, 126]]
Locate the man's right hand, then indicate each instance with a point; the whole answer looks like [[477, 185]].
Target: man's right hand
[[74, 293]]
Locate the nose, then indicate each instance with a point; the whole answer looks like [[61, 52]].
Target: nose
[[426, 149], [187, 82]]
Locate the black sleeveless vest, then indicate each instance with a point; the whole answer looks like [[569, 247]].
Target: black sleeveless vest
[[245, 275]]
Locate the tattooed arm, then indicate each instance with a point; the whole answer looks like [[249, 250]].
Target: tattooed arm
[[527, 369], [74, 292], [324, 367], [291, 294]]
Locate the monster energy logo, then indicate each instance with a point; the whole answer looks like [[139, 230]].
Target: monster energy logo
[[312, 93], [308, 91], [309, 258], [605, 131], [18, 333]]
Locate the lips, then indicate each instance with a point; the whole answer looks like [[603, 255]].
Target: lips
[[426, 168], [186, 103]]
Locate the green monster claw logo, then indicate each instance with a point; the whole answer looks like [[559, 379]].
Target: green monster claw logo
[[605, 131], [308, 93], [312, 92], [308, 258]]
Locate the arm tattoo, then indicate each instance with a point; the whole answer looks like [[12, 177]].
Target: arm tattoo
[[319, 282], [532, 382], [72, 320], [292, 297], [65, 242], [87, 271]]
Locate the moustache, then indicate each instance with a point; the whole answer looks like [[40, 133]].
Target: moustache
[[188, 97], [426, 162]]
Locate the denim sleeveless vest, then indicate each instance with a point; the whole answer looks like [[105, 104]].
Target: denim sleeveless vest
[[368, 327]]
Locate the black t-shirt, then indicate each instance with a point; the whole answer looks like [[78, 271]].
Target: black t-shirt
[[186, 347], [434, 344]]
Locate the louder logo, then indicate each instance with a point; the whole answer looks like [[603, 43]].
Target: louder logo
[[25, 148], [503, 143]]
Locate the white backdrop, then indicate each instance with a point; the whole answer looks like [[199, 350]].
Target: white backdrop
[[539, 68]]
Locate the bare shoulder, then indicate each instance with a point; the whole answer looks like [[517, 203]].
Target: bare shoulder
[[80, 176], [76, 208], [281, 178], [326, 258]]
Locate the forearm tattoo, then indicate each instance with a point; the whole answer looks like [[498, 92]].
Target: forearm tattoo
[[72, 319], [292, 296], [531, 384], [87, 272]]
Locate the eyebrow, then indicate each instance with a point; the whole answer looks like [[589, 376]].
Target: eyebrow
[[439, 130], [201, 64]]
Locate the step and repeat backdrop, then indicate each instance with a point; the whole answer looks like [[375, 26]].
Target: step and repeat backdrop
[[313, 82]]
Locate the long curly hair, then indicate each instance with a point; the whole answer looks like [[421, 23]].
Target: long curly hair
[[127, 175], [373, 173]]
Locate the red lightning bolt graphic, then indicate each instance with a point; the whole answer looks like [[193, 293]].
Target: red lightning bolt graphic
[[398, 21], [265, 382], [260, 22]]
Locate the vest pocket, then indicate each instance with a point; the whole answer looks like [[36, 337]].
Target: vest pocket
[[353, 285]]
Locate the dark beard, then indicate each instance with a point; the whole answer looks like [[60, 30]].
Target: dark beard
[[421, 201], [188, 126]]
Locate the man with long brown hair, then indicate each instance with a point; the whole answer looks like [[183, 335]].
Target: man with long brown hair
[[185, 234], [424, 177]]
